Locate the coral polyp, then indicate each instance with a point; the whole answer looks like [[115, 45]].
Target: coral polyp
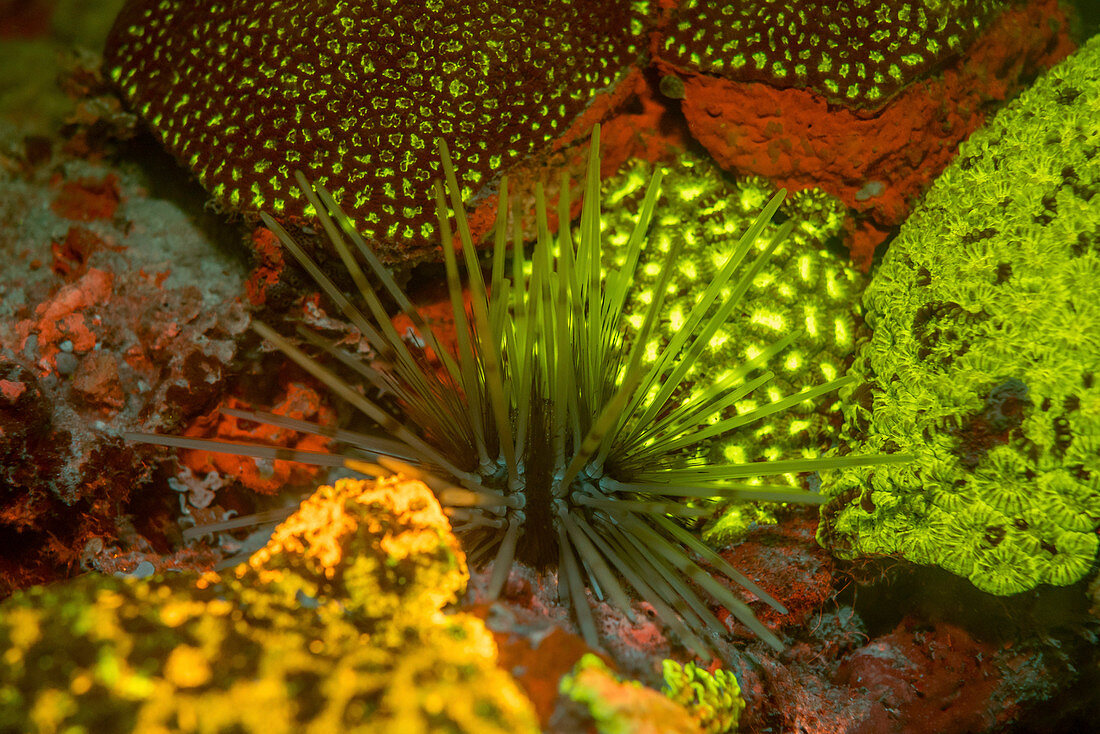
[[353, 93], [546, 434], [857, 54]]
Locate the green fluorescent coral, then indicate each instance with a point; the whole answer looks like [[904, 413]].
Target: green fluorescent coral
[[336, 625], [618, 706], [804, 289], [714, 699], [695, 701], [854, 52], [984, 357]]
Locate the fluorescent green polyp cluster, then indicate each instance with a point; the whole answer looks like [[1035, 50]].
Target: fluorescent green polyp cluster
[[714, 699], [336, 626], [984, 357], [856, 53], [803, 289], [624, 707]]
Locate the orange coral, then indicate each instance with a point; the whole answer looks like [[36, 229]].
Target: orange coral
[[88, 199], [266, 274], [61, 319]]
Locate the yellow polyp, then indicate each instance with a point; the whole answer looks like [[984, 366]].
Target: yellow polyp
[[187, 667], [24, 630]]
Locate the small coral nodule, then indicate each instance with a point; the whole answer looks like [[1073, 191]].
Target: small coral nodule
[[549, 437], [713, 699], [616, 706]]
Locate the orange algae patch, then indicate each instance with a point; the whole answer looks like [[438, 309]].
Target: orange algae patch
[[62, 319], [12, 390], [88, 199], [269, 254], [538, 668], [300, 401], [96, 383]]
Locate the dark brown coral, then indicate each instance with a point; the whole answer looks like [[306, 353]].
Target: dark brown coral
[[353, 94]]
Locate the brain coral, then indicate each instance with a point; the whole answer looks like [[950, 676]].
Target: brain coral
[[353, 94], [804, 289], [290, 642], [984, 357]]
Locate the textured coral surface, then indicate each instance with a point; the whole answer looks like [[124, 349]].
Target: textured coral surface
[[713, 698], [984, 356], [335, 625], [852, 52], [804, 289], [114, 313], [617, 705], [879, 163], [355, 94], [120, 308]]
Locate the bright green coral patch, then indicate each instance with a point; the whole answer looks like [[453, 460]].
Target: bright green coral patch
[[984, 357], [804, 289], [695, 701], [617, 706], [714, 699]]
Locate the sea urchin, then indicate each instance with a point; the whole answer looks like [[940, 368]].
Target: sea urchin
[[550, 436]]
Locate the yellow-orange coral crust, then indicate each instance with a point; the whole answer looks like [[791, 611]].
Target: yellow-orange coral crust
[[338, 624]]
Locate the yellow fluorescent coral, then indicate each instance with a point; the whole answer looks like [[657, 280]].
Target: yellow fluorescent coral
[[338, 624], [623, 707], [713, 699]]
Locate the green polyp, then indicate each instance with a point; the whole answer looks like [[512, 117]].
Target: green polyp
[[802, 284], [979, 361]]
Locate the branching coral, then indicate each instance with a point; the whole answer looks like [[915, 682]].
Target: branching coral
[[984, 357]]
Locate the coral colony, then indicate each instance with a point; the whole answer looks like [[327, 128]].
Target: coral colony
[[984, 304], [617, 379], [354, 94]]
